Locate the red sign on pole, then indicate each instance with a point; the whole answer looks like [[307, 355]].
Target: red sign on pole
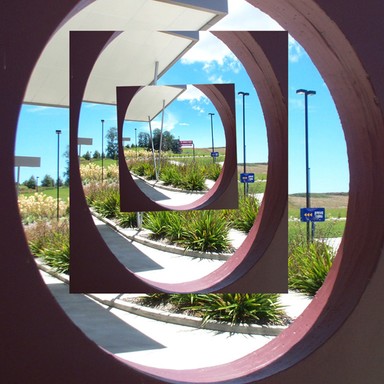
[[186, 143]]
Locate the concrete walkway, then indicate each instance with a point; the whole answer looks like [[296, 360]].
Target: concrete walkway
[[156, 343]]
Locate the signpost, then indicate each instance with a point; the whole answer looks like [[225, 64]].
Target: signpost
[[214, 154], [188, 143], [312, 214], [25, 161], [247, 177], [83, 141]]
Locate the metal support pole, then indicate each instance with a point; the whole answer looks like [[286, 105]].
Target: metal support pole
[[161, 134], [102, 151], [136, 141], [153, 148], [213, 143], [156, 73], [244, 145], [308, 201], [58, 132], [18, 180]]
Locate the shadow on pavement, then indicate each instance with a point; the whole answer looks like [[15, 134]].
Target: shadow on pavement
[[151, 192], [100, 325], [125, 252]]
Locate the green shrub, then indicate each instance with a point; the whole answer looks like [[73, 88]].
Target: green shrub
[[156, 222], [171, 175], [213, 171], [206, 231], [104, 198], [193, 180], [175, 228], [244, 217], [50, 241], [308, 264], [127, 219], [236, 308], [108, 204]]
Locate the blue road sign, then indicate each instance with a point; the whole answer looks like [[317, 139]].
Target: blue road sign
[[312, 214], [215, 154], [247, 177]]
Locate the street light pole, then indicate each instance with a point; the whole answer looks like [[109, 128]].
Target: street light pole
[[136, 141], [102, 151], [307, 93], [213, 144], [58, 132], [244, 145]]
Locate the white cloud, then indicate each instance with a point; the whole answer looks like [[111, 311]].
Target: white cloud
[[213, 53], [208, 50], [295, 50], [170, 122], [192, 94]]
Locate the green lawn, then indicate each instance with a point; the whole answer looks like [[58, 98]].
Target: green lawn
[[98, 162], [63, 192], [328, 228]]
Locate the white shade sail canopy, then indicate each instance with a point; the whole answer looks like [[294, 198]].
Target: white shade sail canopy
[[148, 40], [149, 101]]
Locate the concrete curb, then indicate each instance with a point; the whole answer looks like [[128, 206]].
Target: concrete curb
[[169, 317]]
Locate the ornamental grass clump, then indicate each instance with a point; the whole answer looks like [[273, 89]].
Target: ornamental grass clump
[[308, 264], [92, 172], [244, 217], [50, 242], [206, 231], [234, 308], [40, 206]]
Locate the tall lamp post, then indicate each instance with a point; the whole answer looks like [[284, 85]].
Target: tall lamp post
[[102, 151], [307, 93], [37, 183], [213, 144], [136, 141], [58, 132], [244, 145]]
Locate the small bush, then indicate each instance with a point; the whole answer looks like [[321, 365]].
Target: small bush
[[127, 219], [109, 206], [105, 198], [308, 264], [213, 171], [206, 231], [244, 217], [193, 180], [236, 308], [50, 241], [156, 222]]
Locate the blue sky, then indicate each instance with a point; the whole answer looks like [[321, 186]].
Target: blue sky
[[211, 62]]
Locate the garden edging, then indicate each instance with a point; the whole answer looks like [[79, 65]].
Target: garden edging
[[169, 317]]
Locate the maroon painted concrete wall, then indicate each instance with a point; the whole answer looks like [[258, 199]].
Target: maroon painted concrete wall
[[338, 339]]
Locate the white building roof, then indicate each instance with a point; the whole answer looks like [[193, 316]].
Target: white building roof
[[152, 31]]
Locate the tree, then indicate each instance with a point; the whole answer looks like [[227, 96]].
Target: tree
[[96, 155], [176, 146], [168, 141], [87, 156], [144, 140], [47, 181], [112, 144], [30, 183], [66, 172]]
